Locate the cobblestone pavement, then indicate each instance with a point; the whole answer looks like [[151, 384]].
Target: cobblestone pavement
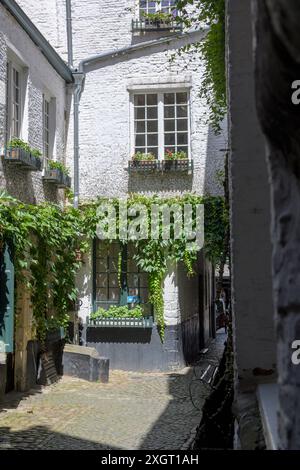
[[133, 411]]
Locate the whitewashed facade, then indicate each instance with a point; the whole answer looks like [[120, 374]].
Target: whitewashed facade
[[107, 120]]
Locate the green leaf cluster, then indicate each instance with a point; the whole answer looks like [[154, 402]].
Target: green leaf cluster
[[53, 165], [118, 312], [21, 144]]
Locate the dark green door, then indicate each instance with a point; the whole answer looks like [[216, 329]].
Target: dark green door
[[7, 309]]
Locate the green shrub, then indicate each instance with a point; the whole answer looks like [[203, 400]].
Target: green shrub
[[118, 312], [142, 157]]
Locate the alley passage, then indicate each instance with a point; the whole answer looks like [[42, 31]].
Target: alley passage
[[133, 411]]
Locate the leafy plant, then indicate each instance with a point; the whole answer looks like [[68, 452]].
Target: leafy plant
[[21, 144], [53, 165], [169, 155], [146, 157], [118, 312], [159, 17]]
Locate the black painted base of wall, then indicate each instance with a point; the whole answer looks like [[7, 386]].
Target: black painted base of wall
[[138, 349]]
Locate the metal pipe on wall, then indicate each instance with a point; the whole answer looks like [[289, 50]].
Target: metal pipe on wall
[[69, 32]]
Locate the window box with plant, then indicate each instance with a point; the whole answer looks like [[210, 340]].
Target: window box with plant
[[120, 317], [143, 162], [19, 153], [156, 21], [56, 173], [176, 161]]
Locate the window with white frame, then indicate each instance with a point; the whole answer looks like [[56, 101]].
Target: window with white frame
[[161, 123], [13, 101], [153, 6], [46, 128]]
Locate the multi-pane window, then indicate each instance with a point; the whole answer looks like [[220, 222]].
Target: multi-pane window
[[152, 6], [118, 278], [13, 101], [46, 131], [161, 123]]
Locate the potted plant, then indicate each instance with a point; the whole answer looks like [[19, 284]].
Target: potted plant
[[19, 152], [176, 160], [158, 19], [120, 317], [58, 174], [143, 162]]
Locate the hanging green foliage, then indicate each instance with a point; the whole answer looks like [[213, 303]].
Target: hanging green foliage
[[47, 240], [211, 14]]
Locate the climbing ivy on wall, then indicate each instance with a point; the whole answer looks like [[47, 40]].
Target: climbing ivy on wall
[[212, 50], [47, 240]]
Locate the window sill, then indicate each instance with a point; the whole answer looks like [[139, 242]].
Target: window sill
[[163, 166], [155, 26], [57, 177], [120, 323], [22, 158]]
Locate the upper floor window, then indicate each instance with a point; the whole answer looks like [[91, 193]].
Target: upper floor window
[[152, 6], [161, 123], [14, 101]]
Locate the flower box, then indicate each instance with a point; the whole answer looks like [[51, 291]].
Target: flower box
[[147, 24], [23, 159], [143, 165], [120, 322], [57, 177], [177, 165]]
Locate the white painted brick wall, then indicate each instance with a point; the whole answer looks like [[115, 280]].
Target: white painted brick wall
[[41, 78]]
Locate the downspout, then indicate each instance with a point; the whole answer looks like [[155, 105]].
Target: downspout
[[69, 33], [79, 78]]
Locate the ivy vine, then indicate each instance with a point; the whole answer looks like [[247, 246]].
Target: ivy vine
[[47, 240]]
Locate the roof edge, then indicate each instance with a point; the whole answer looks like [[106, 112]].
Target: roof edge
[[41, 42]]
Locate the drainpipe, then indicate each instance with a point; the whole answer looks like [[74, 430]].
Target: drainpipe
[[69, 33], [79, 78]]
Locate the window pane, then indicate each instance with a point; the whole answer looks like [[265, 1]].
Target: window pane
[[169, 139], [152, 126], [151, 100], [152, 140], [139, 113], [133, 280], [140, 127], [113, 265], [169, 111], [170, 125], [102, 281], [182, 139], [101, 265], [169, 98], [114, 295], [113, 280], [182, 111], [181, 98], [182, 124], [139, 100], [140, 140], [101, 294], [152, 113]]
